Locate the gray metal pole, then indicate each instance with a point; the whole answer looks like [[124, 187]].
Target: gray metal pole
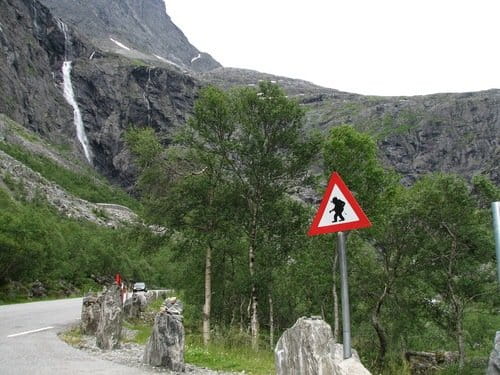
[[346, 319], [495, 207]]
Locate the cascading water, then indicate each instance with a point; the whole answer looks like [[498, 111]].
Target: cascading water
[[69, 94], [77, 116]]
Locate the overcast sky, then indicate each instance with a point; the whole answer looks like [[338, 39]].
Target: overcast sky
[[377, 47]]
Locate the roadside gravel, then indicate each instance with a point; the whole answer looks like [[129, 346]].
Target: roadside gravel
[[130, 355]]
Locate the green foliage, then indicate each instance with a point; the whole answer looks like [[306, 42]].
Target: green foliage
[[485, 191], [84, 184], [223, 186], [144, 144], [37, 243]]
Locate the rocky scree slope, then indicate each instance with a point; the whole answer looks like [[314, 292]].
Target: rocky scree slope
[[443, 132], [20, 181]]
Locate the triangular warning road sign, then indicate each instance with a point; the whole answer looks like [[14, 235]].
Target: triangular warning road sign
[[338, 210]]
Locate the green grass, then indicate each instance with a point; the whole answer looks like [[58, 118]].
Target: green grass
[[86, 186], [72, 337], [143, 331], [20, 130], [223, 357]]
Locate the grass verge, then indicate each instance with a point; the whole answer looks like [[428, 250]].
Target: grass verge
[[223, 357], [72, 337], [142, 332]]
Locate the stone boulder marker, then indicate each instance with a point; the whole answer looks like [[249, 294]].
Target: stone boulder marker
[[91, 311], [136, 304], [308, 348], [110, 319], [165, 347], [494, 363]]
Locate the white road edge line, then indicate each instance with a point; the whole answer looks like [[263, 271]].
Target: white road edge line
[[33, 331]]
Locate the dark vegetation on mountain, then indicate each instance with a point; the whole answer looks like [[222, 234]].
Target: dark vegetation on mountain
[[215, 186]]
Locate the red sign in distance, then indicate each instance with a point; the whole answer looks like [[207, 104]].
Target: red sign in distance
[[339, 211]]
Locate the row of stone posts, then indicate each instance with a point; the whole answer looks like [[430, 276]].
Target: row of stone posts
[[102, 316]]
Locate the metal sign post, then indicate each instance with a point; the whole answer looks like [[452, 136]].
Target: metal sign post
[[346, 317], [495, 207]]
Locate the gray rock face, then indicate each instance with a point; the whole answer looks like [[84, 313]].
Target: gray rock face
[[134, 306], [117, 95], [494, 362], [452, 133], [91, 312], [165, 347], [110, 319], [308, 348], [32, 50], [141, 25]]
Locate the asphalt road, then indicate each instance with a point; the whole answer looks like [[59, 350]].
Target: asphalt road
[[23, 351]]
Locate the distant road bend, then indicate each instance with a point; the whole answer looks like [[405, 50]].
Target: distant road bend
[[29, 342]]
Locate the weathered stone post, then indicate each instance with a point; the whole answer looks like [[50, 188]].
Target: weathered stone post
[[494, 363], [165, 347], [110, 319], [91, 311], [308, 348], [135, 305]]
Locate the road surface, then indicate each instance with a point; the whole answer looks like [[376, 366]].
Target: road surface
[[29, 342]]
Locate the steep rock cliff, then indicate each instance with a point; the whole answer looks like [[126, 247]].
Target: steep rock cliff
[[31, 55], [134, 28], [115, 95]]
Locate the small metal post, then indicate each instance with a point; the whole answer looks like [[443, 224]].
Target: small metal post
[[495, 207], [346, 319]]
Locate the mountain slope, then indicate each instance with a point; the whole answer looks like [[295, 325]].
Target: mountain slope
[[134, 28], [443, 132], [31, 168]]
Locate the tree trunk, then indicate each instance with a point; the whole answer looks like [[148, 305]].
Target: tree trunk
[[208, 296], [254, 321], [458, 316], [461, 343], [242, 319], [379, 329], [271, 322], [336, 324]]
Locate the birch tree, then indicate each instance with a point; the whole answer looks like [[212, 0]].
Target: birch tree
[[257, 134]]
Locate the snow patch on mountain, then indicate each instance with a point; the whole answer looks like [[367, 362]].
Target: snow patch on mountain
[[195, 58], [168, 61], [120, 44]]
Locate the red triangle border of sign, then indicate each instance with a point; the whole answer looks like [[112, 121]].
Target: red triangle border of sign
[[363, 221]]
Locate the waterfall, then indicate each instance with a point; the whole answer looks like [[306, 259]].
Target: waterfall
[[67, 40], [69, 94]]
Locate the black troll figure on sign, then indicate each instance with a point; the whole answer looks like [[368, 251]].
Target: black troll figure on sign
[[338, 209]]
